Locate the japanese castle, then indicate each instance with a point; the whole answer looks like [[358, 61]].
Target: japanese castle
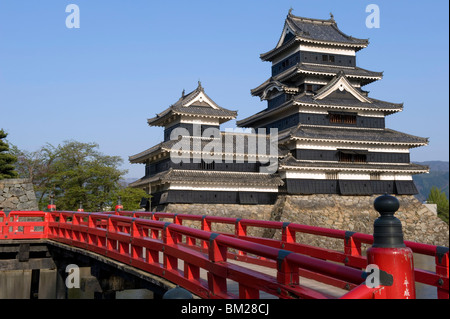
[[331, 138]]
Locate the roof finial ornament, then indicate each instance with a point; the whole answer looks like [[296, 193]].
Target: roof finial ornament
[[290, 11], [200, 85], [183, 93], [331, 17]]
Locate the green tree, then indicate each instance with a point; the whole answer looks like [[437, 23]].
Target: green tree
[[7, 160], [439, 198], [37, 166], [130, 198], [73, 172]]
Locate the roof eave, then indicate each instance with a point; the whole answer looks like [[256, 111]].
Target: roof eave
[[410, 144], [269, 56]]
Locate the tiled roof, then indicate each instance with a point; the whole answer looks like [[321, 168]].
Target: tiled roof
[[366, 76], [329, 70], [321, 30], [375, 104], [315, 31], [358, 135], [197, 108], [290, 161], [212, 177], [236, 147], [328, 103]]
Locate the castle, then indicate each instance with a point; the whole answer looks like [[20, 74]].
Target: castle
[[331, 136]]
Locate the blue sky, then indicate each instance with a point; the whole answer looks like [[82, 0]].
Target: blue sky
[[131, 59]]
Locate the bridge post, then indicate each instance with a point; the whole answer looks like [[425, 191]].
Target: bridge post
[[389, 257], [51, 207], [119, 206]]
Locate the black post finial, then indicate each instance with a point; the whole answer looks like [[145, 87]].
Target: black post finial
[[177, 293], [387, 229]]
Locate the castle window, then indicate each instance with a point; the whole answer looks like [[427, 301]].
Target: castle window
[[332, 176], [328, 58], [207, 166], [352, 156], [339, 118]]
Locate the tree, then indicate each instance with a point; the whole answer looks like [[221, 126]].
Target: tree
[[130, 198], [73, 172], [439, 198], [36, 166], [7, 160]]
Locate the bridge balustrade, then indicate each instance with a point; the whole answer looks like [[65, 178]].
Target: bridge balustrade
[[157, 242], [351, 254]]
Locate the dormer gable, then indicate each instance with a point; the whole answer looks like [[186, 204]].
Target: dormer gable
[[340, 83]]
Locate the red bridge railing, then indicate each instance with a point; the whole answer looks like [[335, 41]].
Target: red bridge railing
[[351, 254], [157, 242]]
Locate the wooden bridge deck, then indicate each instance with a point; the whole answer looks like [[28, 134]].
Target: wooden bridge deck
[[233, 286], [306, 282]]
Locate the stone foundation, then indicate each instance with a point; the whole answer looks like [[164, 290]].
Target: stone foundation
[[352, 213], [356, 213], [259, 212], [17, 194]]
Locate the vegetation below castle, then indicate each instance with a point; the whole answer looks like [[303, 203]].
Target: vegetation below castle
[[433, 187], [75, 174], [438, 177]]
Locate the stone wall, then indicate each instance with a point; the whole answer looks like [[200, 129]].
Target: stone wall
[[17, 194], [259, 212], [352, 213], [356, 213]]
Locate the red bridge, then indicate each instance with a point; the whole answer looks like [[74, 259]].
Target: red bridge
[[156, 242]]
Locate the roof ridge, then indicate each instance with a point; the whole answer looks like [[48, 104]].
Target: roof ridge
[[311, 20]]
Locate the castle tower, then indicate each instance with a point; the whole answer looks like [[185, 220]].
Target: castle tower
[[334, 131], [198, 163]]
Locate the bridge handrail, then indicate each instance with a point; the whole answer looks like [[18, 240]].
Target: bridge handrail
[[351, 256], [23, 225], [279, 254], [293, 260], [120, 236]]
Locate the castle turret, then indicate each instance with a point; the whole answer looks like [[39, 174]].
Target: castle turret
[[198, 163], [334, 130]]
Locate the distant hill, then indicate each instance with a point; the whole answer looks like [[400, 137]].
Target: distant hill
[[126, 181], [438, 176]]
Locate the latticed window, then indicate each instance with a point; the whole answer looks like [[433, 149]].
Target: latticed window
[[207, 166], [343, 118], [348, 157], [331, 175]]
